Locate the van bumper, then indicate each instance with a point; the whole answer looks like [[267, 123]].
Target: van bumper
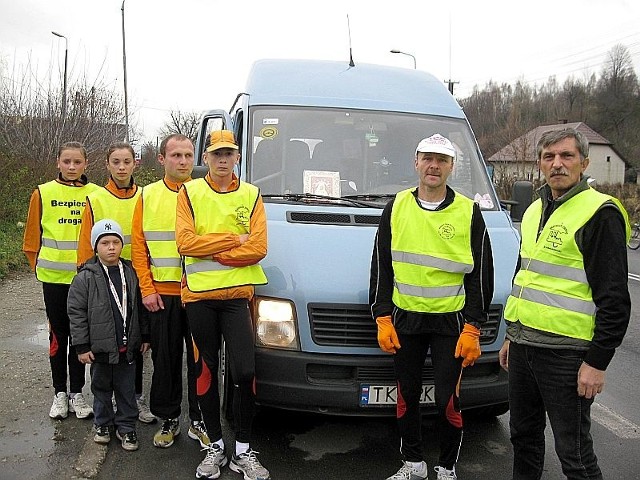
[[331, 383]]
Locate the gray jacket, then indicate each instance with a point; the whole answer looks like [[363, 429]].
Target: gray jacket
[[93, 324]]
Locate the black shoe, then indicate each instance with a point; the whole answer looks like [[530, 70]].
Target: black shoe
[[129, 440]]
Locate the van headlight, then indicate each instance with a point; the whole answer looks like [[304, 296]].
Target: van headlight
[[276, 324]]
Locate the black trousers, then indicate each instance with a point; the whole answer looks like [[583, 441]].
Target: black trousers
[[117, 380], [208, 320], [408, 362], [61, 352], [170, 334]]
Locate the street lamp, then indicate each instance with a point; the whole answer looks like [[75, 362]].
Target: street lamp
[[124, 68], [64, 87], [408, 54]]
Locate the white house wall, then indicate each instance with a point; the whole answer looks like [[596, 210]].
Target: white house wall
[[603, 170]]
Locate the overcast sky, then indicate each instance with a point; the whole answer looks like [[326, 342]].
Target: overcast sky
[[194, 55]]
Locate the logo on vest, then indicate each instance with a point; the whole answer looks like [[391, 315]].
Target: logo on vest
[[554, 240], [446, 231], [242, 216]]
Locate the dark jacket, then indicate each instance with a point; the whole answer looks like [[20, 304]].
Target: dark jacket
[[93, 323], [478, 284], [602, 242]]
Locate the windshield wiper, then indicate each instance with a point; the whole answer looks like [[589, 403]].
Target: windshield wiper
[[301, 197], [371, 196]]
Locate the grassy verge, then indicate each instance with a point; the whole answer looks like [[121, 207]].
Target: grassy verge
[[11, 257]]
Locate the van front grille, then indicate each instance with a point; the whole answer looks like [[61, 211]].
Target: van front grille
[[351, 325]]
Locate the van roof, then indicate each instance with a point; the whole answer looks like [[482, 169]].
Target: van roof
[[335, 84]]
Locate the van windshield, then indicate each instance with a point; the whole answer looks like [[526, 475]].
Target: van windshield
[[354, 153]]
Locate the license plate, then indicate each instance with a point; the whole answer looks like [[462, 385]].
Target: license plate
[[387, 395]]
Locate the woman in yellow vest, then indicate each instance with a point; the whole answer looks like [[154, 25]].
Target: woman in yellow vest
[[116, 200], [50, 245], [221, 232]]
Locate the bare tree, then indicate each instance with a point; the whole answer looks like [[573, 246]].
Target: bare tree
[[32, 126], [184, 123]]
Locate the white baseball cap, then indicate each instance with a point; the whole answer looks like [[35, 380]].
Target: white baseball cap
[[436, 144], [105, 227]]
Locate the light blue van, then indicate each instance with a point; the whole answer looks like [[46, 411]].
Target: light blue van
[[329, 144]]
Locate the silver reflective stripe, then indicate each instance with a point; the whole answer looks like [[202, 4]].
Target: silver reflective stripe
[[159, 236], [430, 292], [559, 301], [127, 239], [165, 262], [557, 271], [429, 261], [206, 266], [60, 244], [67, 267]]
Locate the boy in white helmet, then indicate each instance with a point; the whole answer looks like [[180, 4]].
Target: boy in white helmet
[[107, 335]]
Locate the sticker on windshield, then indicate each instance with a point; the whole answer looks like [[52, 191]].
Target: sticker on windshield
[[483, 200], [270, 121], [269, 132]]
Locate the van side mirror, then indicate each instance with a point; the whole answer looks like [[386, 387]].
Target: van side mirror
[[521, 196]]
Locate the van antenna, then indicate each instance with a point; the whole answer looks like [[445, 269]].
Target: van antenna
[[351, 64]]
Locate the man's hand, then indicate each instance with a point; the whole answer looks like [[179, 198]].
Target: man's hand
[[153, 302], [468, 346], [590, 381], [387, 336], [145, 347], [504, 355], [86, 358]]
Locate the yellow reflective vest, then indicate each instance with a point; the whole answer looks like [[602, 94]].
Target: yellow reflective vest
[[159, 228], [430, 254], [224, 212], [105, 204], [62, 207], [551, 292]]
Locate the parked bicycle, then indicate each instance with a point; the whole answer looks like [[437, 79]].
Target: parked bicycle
[[634, 241]]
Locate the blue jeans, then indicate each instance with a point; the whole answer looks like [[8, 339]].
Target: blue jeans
[[544, 380]]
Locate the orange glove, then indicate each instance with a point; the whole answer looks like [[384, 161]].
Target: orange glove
[[468, 346], [387, 336]]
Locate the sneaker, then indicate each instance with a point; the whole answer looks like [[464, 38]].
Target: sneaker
[[78, 405], [129, 440], [248, 464], [407, 472], [165, 437], [210, 466], [444, 474], [60, 406], [198, 431], [102, 434], [144, 414]]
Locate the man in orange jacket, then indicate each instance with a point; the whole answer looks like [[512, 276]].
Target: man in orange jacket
[[156, 260], [431, 286], [221, 232]]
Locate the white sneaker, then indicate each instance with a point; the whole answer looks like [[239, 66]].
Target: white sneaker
[[444, 474], [144, 414], [60, 406], [407, 472], [81, 408], [210, 466]]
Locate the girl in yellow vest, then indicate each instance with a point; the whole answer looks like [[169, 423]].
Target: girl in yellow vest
[[50, 245], [117, 200]]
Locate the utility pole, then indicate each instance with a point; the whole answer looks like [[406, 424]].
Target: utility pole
[[64, 85], [450, 82], [124, 68]]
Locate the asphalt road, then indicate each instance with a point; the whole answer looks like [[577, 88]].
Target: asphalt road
[[292, 445]]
